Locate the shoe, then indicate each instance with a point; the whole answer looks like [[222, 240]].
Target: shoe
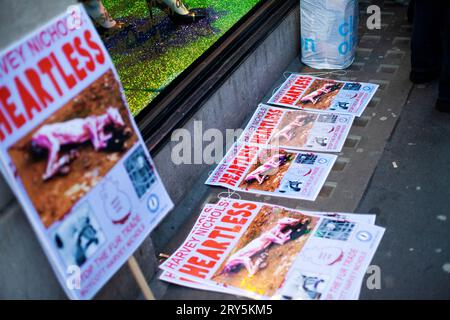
[[423, 76], [443, 105], [107, 32], [194, 15]]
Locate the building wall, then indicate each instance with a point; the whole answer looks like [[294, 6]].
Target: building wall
[[24, 269]]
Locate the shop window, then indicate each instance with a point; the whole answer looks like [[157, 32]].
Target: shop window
[[168, 70]]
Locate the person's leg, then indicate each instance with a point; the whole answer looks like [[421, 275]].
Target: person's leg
[[443, 101], [426, 41], [97, 11]]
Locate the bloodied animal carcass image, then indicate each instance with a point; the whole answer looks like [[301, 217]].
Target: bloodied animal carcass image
[[65, 156]]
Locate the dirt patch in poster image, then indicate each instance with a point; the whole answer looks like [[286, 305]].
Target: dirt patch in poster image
[[64, 157], [320, 94], [266, 251]]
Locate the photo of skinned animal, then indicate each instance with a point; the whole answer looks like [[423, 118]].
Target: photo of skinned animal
[[66, 155], [268, 170], [294, 129], [264, 254], [320, 94]]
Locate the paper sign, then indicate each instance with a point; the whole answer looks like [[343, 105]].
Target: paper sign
[[275, 172], [319, 94], [73, 155]]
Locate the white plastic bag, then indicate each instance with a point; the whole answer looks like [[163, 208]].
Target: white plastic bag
[[329, 33]]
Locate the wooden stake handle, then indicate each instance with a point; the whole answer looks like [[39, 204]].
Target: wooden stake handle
[[140, 279]]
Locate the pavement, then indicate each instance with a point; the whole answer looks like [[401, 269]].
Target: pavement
[[394, 164], [409, 192]]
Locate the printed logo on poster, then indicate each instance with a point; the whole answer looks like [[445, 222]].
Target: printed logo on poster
[[364, 236], [297, 129]]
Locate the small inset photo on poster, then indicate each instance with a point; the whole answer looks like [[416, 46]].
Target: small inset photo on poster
[[63, 158], [299, 173], [140, 171], [304, 285], [79, 236], [335, 229], [353, 86]]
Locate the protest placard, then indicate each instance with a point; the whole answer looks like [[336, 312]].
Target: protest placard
[[297, 129], [273, 171]]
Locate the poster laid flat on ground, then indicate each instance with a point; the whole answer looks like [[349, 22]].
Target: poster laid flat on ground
[[73, 155], [297, 129], [273, 171], [319, 94], [270, 252], [180, 280]]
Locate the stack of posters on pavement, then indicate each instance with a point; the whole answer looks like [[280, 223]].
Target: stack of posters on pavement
[[326, 95], [264, 251], [297, 129], [273, 171], [73, 155]]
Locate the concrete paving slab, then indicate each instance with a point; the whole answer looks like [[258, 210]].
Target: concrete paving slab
[[409, 193]]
